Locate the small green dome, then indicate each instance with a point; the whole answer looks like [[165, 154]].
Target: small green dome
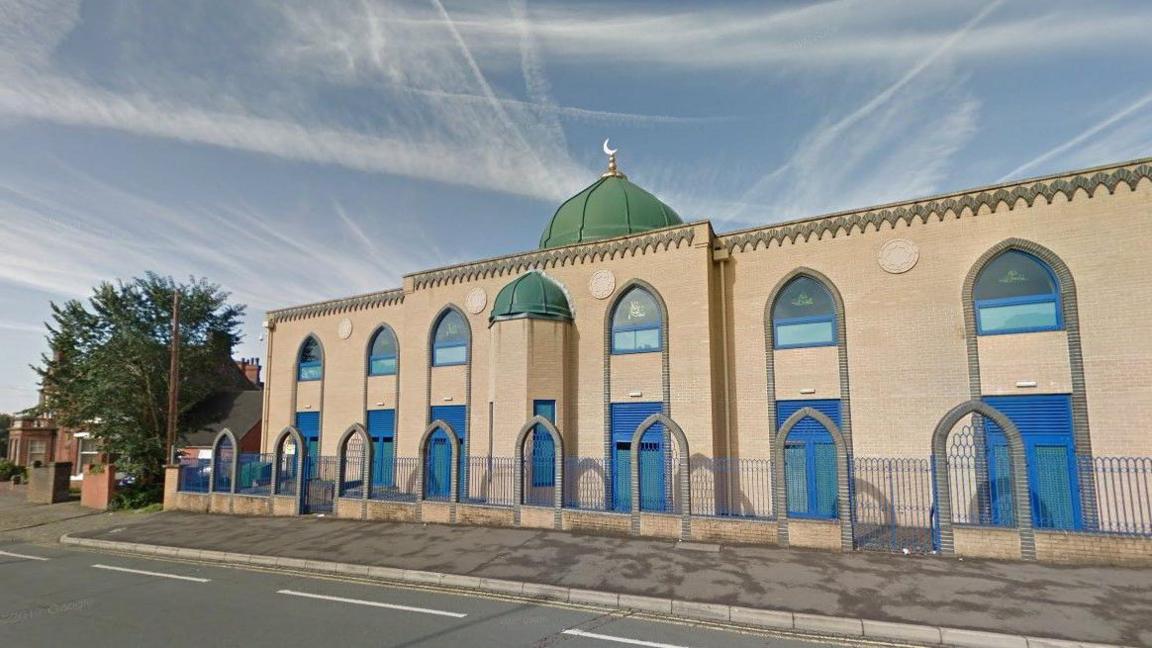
[[531, 295], [611, 206]]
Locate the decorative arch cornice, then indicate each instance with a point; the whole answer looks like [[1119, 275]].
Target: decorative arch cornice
[[957, 205], [353, 430], [393, 297], [630, 246], [1020, 496], [843, 498]]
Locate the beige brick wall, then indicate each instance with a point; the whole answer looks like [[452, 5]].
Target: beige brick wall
[[660, 526], [1088, 549], [390, 511], [734, 531], [905, 336], [610, 524], [905, 333], [983, 542], [814, 534], [484, 516]]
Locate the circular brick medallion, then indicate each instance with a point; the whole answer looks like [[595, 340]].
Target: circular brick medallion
[[898, 256], [602, 284], [344, 329], [476, 300]]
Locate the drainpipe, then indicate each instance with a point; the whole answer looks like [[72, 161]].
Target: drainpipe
[[727, 393]]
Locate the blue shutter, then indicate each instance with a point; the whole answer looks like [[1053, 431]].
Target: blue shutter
[[382, 429], [626, 417], [457, 417], [1045, 424], [308, 425], [810, 459]]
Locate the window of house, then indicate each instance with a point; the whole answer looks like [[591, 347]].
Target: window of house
[[804, 315], [382, 353], [450, 343], [1017, 293], [311, 363], [37, 451], [636, 323], [86, 453]]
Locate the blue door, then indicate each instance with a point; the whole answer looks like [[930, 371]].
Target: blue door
[[382, 429], [626, 417], [1045, 424], [317, 487], [457, 417], [810, 472]]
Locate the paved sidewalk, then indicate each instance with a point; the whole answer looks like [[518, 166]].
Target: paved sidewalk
[[24, 522], [1095, 604]]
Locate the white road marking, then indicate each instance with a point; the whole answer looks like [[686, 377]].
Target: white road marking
[[25, 557], [152, 573], [390, 606], [623, 640]]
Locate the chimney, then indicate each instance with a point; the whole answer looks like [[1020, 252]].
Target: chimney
[[251, 369]]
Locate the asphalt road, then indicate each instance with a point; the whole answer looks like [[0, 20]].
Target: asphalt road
[[53, 596]]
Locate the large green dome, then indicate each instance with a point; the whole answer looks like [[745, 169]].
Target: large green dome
[[611, 206], [531, 295]]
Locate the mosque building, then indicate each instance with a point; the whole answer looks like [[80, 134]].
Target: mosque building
[[953, 373]]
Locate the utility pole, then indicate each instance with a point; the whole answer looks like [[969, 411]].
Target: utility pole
[[174, 378]]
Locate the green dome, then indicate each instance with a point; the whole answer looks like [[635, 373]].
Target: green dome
[[531, 295], [611, 206]]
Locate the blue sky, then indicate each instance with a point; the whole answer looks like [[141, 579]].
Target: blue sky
[[294, 151]]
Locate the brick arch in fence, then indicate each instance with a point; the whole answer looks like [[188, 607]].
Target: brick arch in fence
[[1020, 501], [289, 432], [224, 435], [558, 459], [685, 490], [779, 489], [454, 445], [355, 430]]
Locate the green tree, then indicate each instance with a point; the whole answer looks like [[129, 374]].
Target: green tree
[[5, 423], [107, 369]]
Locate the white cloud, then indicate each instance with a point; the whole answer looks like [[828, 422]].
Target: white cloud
[[1102, 142]]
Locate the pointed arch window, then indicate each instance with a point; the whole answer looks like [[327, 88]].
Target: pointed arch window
[[382, 353], [637, 323], [1017, 293], [804, 315], [310, 365], [450, 342]]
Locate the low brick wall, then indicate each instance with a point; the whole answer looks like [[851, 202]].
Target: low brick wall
[[485, 515], [597, 522], [660, 526], [391, 511], [537, 517], [349, 507], [285, 505], [814, 534], [436, 512], [251, 505], [220, 503], [1092, 548], [194, 502], [986, 542], [710, 529]]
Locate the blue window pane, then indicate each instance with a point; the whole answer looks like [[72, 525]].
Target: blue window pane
[[806, 334], [310, 371], [1042, 315], [796, 478], [382, 366], [636, 323], [624, 341], [543, 458], [647, 339], [450, 355]]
